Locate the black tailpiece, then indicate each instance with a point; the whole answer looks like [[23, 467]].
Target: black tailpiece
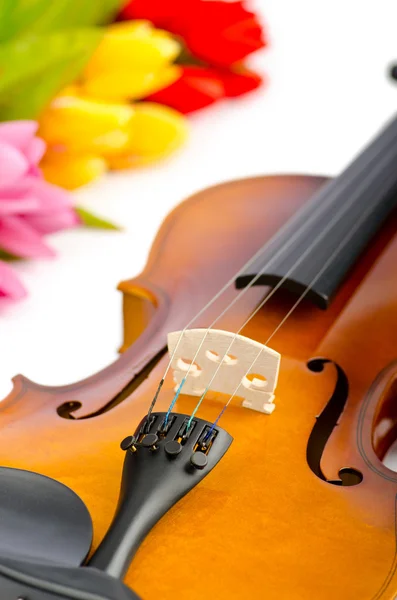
[[164, 460]]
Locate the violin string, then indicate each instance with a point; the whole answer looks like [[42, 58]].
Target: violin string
[[318, 209], [337, 217], [316, 240], [334, 254], [202, 311], [209, 328], [231, 281]]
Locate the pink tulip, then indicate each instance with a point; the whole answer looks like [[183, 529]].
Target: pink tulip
[[29, 206], [10, 286]]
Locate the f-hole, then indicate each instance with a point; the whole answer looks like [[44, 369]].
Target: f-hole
[[326, 423]]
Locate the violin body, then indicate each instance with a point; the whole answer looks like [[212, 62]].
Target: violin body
[[272, 520]]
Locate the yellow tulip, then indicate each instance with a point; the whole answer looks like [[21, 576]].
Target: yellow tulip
[[118, 85], [156, 132], [71, 171], [91, 126], [133, 45], [79, 124]]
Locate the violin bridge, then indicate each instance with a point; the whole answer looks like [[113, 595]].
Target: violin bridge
[[250, 368]]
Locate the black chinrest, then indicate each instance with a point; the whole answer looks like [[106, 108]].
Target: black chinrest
[[35, 580], [42, 519], [45, 534]]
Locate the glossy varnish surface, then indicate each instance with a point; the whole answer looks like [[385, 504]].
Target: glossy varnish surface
[[261, 524]]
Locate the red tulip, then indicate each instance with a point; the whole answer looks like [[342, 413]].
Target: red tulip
[[171, 15], [223, 32], [199, 87], [216, 31], [196, 88], [239, 81]]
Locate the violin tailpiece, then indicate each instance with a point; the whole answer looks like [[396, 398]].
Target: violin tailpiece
[[164, 460], [255, 385]]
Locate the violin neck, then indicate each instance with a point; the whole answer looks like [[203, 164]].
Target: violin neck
[[317, 247]]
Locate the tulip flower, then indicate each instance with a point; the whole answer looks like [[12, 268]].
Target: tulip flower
[[113, 136], [70, 170], [132, 61], [198, 87], [10, 286], [30, 207], [218, 35], [218, 32], [81, 124], [156, 132], [93, 125], [239, 80]]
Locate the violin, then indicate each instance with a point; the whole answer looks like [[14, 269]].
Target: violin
[[266, 314]]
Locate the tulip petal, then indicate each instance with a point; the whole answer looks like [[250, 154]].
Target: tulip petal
[[218, 32], [133, 47], [170, 15], [77, 123], [35, 171], [196, 88], [10, 286], [17, 190], [50, 197], [18, 206], [119, 85], [239, 81], [19, 238], [18, 133], [157, 131], [72, 171], [35, 150], [13, 165], [50, 223], [231, 32]]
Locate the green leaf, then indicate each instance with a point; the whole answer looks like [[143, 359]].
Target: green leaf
[[4, 255], [34, 68], [90, 220], [21, 17]]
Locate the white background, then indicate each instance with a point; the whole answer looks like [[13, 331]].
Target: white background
[[327, 94]]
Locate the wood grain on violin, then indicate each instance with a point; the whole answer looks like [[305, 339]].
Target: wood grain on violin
[[271, 520]]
